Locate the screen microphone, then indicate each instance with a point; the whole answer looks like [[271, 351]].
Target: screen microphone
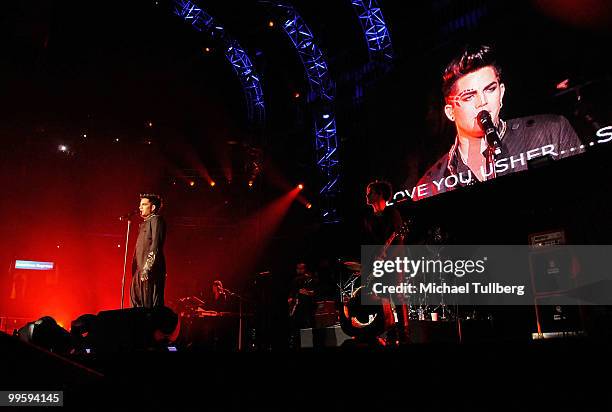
[[486, 123]]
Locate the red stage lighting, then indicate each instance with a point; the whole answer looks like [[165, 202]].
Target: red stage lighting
[[300, 186], [308, 205], [563, 85], [212, 184]]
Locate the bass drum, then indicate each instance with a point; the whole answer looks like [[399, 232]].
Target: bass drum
[[365, 321]]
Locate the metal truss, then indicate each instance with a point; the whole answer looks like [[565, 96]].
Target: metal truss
[[324, 93], [234, 53], [375, 30]]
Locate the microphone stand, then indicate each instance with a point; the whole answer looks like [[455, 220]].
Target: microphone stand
[[127, 238], [240, 316]]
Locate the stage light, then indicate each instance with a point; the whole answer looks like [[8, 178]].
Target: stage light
[[250, 183], [62, 148], [58, 246], [308, 205], [326, 116], [150, 124], [118, 245], [84, 135], [46, 333], [300, 186], [212, 184], [270, 23], [117, 140], [191, 183], [296, 95], [115, 331], [563, 85], [207, 49]]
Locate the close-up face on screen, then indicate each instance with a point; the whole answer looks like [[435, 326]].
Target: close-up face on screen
[[504, 104]]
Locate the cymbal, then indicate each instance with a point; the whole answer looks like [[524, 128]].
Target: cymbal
[[352, 266], [570, 86]]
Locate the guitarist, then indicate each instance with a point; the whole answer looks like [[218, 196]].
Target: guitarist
[[379, 224], [382, 221], [301, 299]]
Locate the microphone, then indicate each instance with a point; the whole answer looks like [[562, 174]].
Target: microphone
[[486, 123], [129, 214]]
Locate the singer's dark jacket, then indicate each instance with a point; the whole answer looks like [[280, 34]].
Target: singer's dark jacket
[[149, 257], [522, 135]]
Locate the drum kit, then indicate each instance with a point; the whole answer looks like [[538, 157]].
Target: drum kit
[[350, 280]]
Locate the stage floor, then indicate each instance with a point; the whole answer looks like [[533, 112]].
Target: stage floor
[[522, 376]]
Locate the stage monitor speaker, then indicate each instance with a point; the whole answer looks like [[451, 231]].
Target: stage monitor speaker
[[47, 334], [133, 329]]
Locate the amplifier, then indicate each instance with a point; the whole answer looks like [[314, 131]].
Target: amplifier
[[326, 314]]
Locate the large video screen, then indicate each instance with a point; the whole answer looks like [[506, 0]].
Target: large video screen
[[486, 104]]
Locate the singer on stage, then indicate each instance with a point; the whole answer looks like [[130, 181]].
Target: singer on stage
[[149, 264], [473, 94]]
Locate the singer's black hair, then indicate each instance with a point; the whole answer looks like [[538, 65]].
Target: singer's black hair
[[471, 59], [382, 188], [154, 199]]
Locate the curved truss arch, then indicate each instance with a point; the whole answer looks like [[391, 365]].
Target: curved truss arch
[[375, 30], [201, 21], [323, 96]]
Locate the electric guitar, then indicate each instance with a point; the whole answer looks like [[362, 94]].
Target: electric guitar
[[359, 320], [296, 297]]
